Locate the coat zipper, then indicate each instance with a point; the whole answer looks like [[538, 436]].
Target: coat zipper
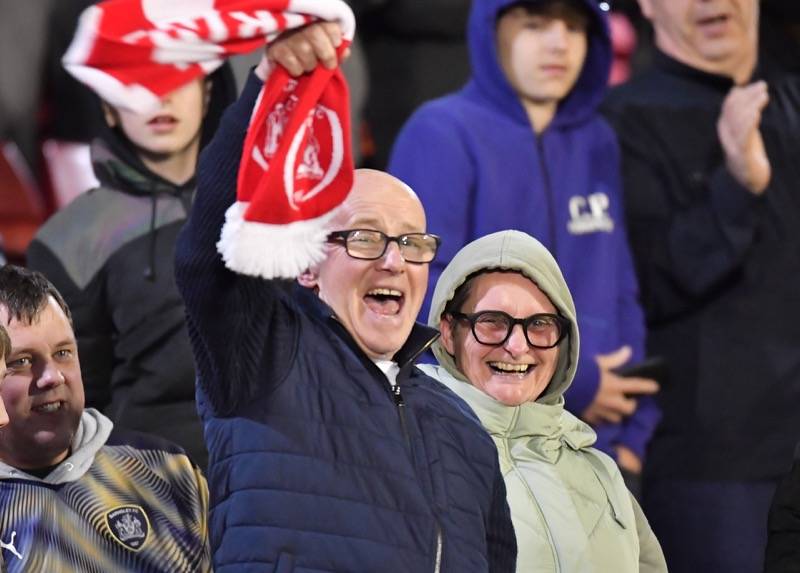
[[437, 565], [548, 193], [401, 411]]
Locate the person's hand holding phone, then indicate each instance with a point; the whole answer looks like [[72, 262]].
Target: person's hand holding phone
[[616, 394]]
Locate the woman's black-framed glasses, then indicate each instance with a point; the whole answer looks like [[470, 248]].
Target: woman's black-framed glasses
[[369, 244], [494, 327]]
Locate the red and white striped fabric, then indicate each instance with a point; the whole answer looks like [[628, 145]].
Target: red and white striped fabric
[[296, 164]]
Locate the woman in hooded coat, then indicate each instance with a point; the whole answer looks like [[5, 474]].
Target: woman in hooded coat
[[569, 504]]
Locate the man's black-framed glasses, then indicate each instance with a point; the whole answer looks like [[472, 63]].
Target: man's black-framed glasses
[[369, 244], [494, 327]]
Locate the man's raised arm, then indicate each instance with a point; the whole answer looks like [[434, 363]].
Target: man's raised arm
[[228, 313]]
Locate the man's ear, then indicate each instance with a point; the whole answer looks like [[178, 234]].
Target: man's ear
[[110, 115], [309, 278], [447, 338]]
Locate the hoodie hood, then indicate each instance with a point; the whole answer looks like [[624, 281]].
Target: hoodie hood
[[514, 251], [115, 159], [91, 435], [490, 83]]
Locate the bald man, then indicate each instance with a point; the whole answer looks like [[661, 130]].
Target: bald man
[[329, 450]]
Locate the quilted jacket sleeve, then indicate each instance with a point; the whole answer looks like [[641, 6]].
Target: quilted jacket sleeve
[[651, 557], [501, 538]]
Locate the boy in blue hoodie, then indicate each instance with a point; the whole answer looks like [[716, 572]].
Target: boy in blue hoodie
[[521, 146]]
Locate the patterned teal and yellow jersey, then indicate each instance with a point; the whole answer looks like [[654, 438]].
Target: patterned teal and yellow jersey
[[120, 502]]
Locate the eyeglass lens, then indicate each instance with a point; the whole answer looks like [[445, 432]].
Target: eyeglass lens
[[541, 330], [415, 247]]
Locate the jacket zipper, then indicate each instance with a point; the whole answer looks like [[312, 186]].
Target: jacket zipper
[[401, 411], [437, 565], [548, 193]]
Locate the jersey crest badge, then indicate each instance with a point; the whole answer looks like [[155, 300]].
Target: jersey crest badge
[[129, 525]]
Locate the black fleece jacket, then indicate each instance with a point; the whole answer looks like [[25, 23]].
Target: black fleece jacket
[[719, 273]]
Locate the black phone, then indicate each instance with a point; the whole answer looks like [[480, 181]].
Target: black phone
[[653, 367]]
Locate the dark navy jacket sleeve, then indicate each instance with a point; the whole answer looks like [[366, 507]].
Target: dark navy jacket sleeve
[[500, 536], [229, 316]]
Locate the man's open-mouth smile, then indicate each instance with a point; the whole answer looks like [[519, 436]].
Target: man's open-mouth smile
[[384, 301]]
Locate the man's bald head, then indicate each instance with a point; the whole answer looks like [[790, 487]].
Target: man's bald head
[[370, 187], [376, 300]]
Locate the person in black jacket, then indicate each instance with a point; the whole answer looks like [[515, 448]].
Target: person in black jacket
[[111, 252], [710, 171]]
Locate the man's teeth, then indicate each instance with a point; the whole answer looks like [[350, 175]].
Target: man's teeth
[[47, 408], [508, 367], [384, 292]]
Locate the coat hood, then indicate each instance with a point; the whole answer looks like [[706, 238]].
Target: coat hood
[[117, 164], [514, 251], [490, 82]]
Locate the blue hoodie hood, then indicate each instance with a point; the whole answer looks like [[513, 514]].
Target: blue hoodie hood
[[490, 83]]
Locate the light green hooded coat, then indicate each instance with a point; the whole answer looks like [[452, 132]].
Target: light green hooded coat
[[571, 510]]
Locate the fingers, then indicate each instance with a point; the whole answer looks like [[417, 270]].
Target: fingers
[[615, 398], [597, 415], [628, 460], [622, 405], [755, 92], [741, 111], [300, 51], [740, 137], [636, 386], [608, 415], [611, 409], [325, 40], [614, 359]]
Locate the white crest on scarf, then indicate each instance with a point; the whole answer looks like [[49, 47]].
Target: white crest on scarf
[[291, 169]]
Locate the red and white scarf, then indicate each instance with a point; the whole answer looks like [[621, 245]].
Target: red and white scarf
[[296, 166]]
